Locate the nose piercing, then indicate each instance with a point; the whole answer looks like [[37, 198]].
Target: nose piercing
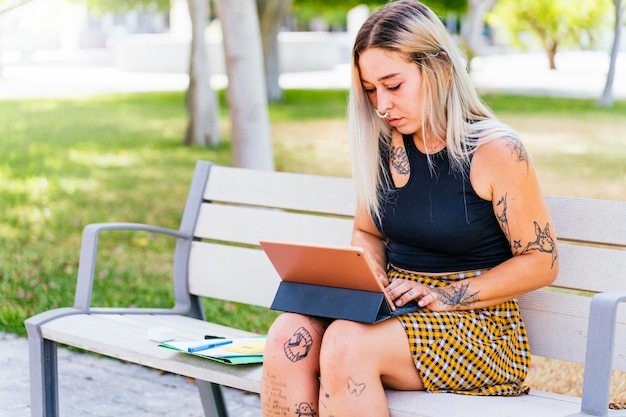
[[382, 116]]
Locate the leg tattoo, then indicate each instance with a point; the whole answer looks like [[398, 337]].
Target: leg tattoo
[[299, 345]]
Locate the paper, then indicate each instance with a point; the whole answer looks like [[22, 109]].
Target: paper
[[243, 350], [250, 347]]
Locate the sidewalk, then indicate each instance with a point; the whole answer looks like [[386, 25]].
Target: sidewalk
[[95, 386]]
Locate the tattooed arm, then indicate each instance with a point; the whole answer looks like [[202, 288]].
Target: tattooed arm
[[503, 173], [366, 235]]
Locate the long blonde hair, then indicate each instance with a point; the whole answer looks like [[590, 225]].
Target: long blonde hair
[[451, 107]]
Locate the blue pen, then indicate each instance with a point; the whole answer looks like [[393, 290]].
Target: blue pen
[[209, 346]]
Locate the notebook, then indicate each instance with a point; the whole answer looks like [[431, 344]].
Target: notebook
[[335, 282]]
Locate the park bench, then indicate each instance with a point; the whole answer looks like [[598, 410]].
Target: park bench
[[217, 255]]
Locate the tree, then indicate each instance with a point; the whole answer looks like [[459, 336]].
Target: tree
[[272, 14], [471, 30], [202, 105], [556, 23], [247, 91], [607, 96], [120, 6], [8, 5]]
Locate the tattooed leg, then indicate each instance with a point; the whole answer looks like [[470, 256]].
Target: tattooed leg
[[290, 383], [357, 361]]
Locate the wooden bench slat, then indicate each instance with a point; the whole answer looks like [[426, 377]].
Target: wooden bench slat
[[230, 268], [586, 219], [557, 325], [247, 225], [592, 269], [536, 404], [289, 191]]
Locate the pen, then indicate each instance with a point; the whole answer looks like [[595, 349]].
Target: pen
[[209, 346]]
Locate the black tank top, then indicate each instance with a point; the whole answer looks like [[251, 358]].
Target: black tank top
[[437, 222]]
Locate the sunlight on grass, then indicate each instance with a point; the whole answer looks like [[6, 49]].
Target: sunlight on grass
[[74, 185], [100, 159], [35, 188]]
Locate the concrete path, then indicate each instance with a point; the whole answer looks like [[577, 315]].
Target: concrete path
[[95, 386]]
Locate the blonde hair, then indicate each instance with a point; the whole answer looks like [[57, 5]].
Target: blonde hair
[[451, 107]]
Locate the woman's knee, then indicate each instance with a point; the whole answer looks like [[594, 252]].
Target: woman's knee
[[293, 337], [345, 341]]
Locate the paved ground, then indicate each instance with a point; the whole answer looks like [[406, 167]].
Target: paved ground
[[94, 386]]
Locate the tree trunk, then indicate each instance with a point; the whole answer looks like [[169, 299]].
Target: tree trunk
[[10, 5], [551, 51], [272, 13], [607, 96], [471, 31], [7, 8], [202, 106], [247, 91]]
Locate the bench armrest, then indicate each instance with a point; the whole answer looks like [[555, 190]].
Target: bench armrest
[[88, 253], [599, 355]]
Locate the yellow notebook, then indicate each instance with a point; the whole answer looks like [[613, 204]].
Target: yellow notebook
[[249, 347]]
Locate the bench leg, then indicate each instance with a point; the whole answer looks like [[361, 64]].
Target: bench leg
[[212, 399], [44, 386]]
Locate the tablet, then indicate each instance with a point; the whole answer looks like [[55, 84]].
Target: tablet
[[325, 265]]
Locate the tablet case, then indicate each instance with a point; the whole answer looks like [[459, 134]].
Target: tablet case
[[334, 303], [302, 266]]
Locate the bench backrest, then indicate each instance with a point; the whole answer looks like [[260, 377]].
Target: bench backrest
[[239, 207]]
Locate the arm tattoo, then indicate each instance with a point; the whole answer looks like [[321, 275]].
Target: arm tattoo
[[504, 224], [400, 160], [518, 149], [354, 388], [299, 345], [457, 296], [543, 243]]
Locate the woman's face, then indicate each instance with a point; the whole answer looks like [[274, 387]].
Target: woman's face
[[393, 84]]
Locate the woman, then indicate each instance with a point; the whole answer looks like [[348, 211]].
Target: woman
[[453, 218]]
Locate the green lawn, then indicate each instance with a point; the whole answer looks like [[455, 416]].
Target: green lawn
[[67, 163]]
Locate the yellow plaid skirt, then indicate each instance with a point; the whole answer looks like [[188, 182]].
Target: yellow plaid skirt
[[476, 352]]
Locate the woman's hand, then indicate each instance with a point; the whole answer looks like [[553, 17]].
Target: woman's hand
[[448, 298], [403, 291]]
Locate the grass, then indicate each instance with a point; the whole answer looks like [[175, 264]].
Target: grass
[[67, 163]]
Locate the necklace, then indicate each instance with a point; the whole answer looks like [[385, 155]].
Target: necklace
[[434, 149]]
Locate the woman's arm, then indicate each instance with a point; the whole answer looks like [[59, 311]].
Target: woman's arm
[[366, 235], [503, 173]]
